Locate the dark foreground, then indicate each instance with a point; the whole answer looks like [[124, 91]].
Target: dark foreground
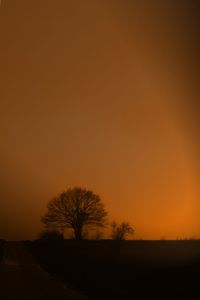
[[1, 249], [125, 270], [22, 278]]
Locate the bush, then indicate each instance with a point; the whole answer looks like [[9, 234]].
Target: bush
[[51, 235], [120, 231]]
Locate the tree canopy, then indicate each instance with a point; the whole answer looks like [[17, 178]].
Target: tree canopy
[[76, 208]]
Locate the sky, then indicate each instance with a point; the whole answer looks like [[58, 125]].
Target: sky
[[104, 95]]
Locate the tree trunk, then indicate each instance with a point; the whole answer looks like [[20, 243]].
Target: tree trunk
[[78, 233]]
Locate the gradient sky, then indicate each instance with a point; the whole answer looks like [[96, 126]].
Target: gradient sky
[[101, 94]]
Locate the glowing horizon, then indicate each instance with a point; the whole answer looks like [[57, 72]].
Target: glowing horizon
[[100, 96]]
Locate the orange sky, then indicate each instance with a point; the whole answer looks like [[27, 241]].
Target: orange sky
[[102, 95]]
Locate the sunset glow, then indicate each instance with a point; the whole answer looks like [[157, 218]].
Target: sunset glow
[[101, 96]]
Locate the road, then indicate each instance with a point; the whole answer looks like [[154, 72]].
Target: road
[[22, 278]]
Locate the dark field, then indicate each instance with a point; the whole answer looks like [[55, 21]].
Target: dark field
[[124, 270], [1, 249]]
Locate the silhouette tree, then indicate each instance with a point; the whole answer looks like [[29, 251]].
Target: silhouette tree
[[77, 209], [120, 231]]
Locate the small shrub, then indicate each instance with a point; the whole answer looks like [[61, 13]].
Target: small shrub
[[51, 235], [120, 231]]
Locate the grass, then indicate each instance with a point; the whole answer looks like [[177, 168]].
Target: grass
[[113, 270]]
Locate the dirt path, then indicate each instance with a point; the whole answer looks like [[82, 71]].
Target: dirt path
[[22, 278]]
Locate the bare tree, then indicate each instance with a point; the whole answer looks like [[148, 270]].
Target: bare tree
[[120, 231], [77, 209]]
